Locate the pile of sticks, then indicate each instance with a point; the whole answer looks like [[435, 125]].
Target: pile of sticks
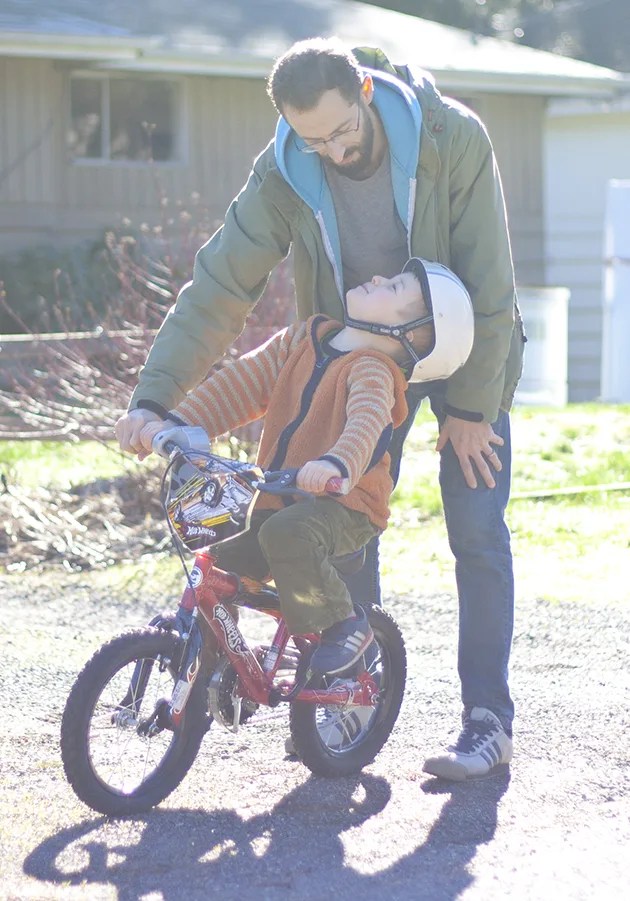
[[92, 526]]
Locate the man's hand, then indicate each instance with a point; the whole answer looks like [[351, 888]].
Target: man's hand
[[314, 475], [128, 429], [148, 433], [472, 442]]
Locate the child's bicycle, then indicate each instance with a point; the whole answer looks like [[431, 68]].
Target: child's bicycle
[[138, 711]]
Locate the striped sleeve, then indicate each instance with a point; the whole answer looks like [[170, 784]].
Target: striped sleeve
[[369, 415], [239, 392]]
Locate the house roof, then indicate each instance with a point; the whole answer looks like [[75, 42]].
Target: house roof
[[243, 37]]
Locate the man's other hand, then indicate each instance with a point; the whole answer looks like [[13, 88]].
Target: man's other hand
[[472, 443]]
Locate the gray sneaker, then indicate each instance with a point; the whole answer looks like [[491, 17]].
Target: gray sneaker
[[343, 644], [482, 745]]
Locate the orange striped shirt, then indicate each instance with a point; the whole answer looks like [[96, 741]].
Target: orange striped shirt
[[316, 403]]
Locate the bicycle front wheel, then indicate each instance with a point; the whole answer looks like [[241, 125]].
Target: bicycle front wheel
[[117, 755]]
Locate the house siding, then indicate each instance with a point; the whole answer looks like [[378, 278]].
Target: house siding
[[231, 121], [224, 122], [583, 151], [515, 126], [29, 154], [46, 197]]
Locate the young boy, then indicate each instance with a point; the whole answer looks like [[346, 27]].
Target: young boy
[[331, 396]]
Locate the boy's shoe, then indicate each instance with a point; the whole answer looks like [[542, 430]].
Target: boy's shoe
[[482, 745], [360, 715], [342, 644]]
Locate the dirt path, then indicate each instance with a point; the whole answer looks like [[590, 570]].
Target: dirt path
[[249, 824]]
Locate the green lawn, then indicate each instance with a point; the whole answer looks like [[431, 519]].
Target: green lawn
[[61, 463], [566, 546]]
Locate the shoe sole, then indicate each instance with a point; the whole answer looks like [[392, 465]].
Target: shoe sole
[[446, 769], [457, 772]]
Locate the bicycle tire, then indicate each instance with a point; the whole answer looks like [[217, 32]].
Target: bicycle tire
[[340, 747], [89, 755]]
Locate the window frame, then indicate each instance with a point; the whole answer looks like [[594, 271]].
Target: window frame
[[180, 124]]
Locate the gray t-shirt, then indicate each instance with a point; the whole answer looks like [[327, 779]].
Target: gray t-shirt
[[373, 238]]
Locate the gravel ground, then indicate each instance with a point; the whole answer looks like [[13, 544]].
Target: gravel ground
[[247, 823]]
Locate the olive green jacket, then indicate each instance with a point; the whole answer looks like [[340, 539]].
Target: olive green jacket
[[448, 192]]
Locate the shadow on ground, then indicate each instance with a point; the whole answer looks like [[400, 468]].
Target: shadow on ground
[[295, 847]]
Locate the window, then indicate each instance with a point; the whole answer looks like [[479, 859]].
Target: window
[[123, 119]]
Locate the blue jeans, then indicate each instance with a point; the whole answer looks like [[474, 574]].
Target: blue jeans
[[480, 541]]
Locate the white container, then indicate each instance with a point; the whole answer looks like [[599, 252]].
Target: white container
[[616, 295], [545, 312]]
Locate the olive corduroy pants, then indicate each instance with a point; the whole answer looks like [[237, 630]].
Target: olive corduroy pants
[[295, 545]]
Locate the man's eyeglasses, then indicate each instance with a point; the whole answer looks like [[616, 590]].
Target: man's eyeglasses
[[307, 146]]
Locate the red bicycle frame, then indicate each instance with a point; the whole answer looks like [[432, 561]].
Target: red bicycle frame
[[209, 591]]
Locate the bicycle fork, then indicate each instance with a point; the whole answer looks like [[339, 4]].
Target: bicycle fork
[[228, 637], [188, 668]]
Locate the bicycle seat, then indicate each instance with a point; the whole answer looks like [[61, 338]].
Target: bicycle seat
[[349, 564]]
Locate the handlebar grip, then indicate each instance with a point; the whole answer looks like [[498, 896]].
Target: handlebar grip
[[337, 486], [186, 438]]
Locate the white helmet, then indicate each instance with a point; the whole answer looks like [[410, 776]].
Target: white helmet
[[453, 320], [450, 311]]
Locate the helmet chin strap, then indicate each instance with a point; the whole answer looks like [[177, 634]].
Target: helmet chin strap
[[399, 332], [406, 343]]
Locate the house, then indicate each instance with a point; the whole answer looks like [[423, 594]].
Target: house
[[587, 144], [99, 102]]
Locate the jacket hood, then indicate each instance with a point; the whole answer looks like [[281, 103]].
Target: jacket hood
[[401, 115]]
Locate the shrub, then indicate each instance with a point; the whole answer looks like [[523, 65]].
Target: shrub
[[121, 287], [77, 280]]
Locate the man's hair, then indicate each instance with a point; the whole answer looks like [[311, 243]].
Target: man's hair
[[309, 69]]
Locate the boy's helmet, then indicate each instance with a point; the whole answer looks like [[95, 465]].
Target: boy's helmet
[[453, 320], [450, 311]]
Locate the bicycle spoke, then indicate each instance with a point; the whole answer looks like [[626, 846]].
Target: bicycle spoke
[[120, 756]]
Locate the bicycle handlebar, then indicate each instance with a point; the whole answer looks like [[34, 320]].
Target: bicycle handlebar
[[193, 439], [283, 482]]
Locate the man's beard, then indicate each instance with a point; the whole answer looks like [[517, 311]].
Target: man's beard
[[362, 167]]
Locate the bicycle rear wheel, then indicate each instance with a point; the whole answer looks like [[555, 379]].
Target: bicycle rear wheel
[[114, 761], [340, 740]]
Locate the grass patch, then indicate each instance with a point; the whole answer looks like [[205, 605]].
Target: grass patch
[[566, 547], [61, 464]]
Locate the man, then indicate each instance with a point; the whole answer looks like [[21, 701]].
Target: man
[[370, 165]]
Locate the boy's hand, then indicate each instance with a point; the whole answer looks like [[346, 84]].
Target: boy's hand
[[314, 475], [147, 435]]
